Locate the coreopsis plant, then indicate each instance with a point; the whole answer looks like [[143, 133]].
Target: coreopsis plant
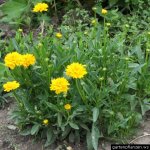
[[78, 85]]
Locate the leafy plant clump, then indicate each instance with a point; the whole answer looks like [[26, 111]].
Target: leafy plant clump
[[75, 84]]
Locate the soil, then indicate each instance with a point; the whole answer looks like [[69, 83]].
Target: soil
[[11, 140]]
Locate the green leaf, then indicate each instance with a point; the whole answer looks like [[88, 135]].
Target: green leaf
[[66, 132], [14, 8], [136, 67], [59, 119], [35, 129], [2, 70], [144, 107], [89, 141], [49, 137], [95, 137], [26, 102], [95, 114], [71, 137], [52, 106], [138, 51], [73, 125], [133, 101], [26, 132], [84, 126], [112, 2], [15, 44]]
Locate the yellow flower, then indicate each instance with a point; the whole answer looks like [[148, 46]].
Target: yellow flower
[[76, 70], [45, 121], [67, 106], [40, 7], [11, 86], [104, 11], [13, 59], [59, 85], [28, 59], [58, 35]]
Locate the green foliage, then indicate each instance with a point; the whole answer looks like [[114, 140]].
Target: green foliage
[[2, 97], [16, 12], [20, 13], [13, 9], [129, 4], [109, 101], [76, 19]]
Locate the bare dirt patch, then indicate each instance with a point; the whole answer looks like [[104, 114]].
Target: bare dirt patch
[[11, 140]]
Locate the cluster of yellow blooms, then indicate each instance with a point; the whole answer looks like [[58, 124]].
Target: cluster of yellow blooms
[[74, 70], [40, 7], [59, 85], [15, 59]]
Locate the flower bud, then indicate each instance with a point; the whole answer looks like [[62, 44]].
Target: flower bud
[[126, 25], [108, 24], [104, 69], [101, 79], [94, 8]]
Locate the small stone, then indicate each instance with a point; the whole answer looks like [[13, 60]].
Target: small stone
[[11, 127], [69, 148], [145, 133]]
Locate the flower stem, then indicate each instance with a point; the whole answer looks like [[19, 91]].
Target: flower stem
[[42, 27], [17, 99], [79, 90]]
